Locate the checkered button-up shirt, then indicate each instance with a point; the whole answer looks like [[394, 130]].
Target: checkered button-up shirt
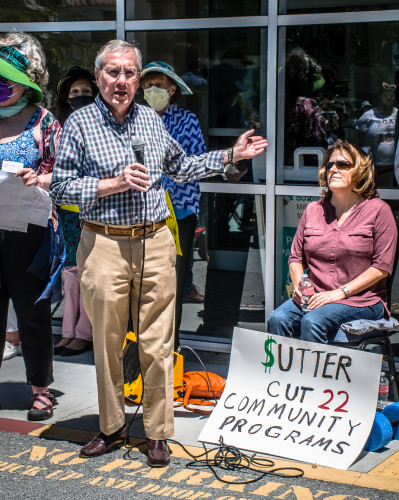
[[94, 146]]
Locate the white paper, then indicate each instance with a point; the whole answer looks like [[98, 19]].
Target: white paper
[[21, 205], [317, 408], [12, 167]]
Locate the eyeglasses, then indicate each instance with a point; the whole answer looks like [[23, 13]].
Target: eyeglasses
[[130, 73], [340, 164], [387, 86]]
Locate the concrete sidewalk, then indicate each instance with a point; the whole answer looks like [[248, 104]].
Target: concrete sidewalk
[[76, 416], [76, 391]]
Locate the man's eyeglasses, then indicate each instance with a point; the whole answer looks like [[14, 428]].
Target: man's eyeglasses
[[130, 73], [340, 164], [387, 86]]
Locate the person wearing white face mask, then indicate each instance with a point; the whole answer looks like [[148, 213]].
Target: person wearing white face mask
[[162, 88]]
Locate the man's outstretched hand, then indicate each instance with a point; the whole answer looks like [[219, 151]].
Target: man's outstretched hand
[[248, 146]]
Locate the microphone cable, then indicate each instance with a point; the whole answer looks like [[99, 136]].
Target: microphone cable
[[230, 458], [140, 158]]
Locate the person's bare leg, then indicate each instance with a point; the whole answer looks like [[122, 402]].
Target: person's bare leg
[[64, 342], [13, 337], [37, 404], [77, 344]]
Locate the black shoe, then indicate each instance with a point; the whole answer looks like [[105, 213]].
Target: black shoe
[[35, 414], [66, 351], [58, 349]]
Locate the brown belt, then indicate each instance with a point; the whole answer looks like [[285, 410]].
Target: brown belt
[[129, 231]]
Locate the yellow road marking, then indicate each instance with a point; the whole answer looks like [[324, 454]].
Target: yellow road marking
[[383, 477]]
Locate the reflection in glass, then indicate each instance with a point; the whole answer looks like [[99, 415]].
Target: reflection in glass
[[314, 6], [228, 267], [23, 11], [67, 49], [395, 286], [226, 70], [193, 9], [289, 210], [342, 89]]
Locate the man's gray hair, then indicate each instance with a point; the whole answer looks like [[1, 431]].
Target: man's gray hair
[[120, 47]]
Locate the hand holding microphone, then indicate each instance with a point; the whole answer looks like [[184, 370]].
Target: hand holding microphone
[[135, 175]]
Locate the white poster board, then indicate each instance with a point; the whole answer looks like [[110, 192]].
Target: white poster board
[[299, 400]]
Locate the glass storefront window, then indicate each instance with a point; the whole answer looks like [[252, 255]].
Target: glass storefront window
[[289, 210], [337, 82], [21, 11], [228, 266], [67, 49], [193, 9], [315, 6], [226, 69]]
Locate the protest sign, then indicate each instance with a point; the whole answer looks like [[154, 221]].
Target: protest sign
[[300, 400]]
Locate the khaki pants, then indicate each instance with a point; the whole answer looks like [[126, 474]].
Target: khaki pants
[[109, 271]]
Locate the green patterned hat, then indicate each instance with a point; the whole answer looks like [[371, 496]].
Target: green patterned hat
[[13, 66]]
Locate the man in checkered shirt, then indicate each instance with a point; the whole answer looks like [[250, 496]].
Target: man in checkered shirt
[[98, 168]]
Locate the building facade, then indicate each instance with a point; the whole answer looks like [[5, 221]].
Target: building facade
[[304, 73]]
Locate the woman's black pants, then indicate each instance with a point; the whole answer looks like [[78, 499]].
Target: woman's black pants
[[17, 251]]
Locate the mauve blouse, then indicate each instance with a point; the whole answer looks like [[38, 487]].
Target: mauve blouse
[[335, 255]]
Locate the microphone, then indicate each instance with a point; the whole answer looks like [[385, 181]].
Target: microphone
[[138, 148]]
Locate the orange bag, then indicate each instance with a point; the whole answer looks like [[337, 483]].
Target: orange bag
[[197, 391]]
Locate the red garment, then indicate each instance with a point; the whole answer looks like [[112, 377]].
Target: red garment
[[335, 255]]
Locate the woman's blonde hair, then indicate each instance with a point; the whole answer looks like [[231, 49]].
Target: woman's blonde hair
[[363, 171], [31, 48]]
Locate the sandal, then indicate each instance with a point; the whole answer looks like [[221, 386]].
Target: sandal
[[45, 412]]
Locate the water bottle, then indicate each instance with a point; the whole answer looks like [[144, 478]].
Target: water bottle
[[383, 391], [307, 290]]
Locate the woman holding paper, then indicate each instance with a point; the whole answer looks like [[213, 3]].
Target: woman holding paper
[[347, 241], [29, 137]]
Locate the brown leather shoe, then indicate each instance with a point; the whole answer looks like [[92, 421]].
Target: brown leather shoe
[[194, 297], [158, 453], [103, 444]]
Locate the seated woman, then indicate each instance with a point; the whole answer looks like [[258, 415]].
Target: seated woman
[[347, 241]]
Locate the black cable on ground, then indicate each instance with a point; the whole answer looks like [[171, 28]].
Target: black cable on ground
[[230, 458]]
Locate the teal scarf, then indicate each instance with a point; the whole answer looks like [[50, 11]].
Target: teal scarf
[[15, 109]]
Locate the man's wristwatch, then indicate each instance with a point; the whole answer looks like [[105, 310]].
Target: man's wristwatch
[[346, 291], [231, 167]]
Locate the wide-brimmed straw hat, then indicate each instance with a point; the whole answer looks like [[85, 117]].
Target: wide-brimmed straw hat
[[75, 73], [168, 70], [13, 66]]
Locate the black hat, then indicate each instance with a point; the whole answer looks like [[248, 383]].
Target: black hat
[[75, 73]]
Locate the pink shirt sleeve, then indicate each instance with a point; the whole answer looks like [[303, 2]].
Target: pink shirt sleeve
[[385, 239]]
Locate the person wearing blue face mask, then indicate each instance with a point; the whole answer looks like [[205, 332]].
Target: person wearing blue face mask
[[162, 88]]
